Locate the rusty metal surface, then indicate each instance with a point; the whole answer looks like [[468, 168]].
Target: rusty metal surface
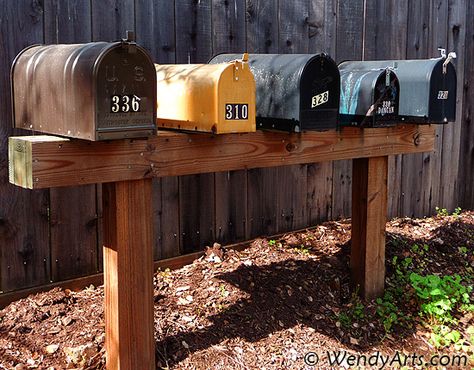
[[288, 87], [69, 90]]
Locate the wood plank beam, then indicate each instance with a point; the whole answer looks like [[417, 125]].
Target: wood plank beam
[[369, 216], [48, 161], [128, 275]]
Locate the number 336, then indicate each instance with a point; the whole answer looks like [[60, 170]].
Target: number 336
[[125, 103]]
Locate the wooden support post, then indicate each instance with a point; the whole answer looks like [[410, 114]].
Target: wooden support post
[[128, 275], [369, 216]]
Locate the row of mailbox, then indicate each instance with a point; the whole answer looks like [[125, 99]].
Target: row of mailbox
[[102, 91]]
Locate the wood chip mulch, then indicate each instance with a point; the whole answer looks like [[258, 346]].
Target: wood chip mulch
[[261, 308]]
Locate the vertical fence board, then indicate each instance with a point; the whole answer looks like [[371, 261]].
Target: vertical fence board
[[262, 26], [228, 21], [193, 31], [319, 186], [438, 27], [228, 26], [73, 222], [155, 24], [196, 192], [67, 21], [24, 239], [383, 40], [261, 201], [262, 37], [413, 164], [292, 193], [322, 38], [169, 217], [111, 18], [448, 197], [349, 45], [467, 131], [290, 190], [231, 206]]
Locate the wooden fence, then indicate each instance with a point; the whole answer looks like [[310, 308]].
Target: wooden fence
[[53, 235]]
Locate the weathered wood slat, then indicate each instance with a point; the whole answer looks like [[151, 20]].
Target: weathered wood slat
[[262, 37], [228, 36], [24, 252], [349, 46], [438, 28], [262, 26], [467, 131], [194, 35], [448, 197], [322, 38], [383, 40], [48, 161], [111, 18], [155, 27], [73, 211], [413, 165], [193, 31], [290, 188], [155, 23]]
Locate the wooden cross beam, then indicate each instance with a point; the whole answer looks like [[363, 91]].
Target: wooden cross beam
[[127, 166]]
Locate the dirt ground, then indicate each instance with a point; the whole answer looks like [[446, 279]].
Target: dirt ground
[[266, 307]]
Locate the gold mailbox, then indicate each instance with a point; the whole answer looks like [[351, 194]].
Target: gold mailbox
[[218, 98]]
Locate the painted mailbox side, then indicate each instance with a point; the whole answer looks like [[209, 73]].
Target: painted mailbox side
[[369, 95], [207, 98]]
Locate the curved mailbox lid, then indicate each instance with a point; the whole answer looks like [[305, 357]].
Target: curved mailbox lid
[[294, 91], [427, 94], [210, 98], [369, 95], [71, 90]]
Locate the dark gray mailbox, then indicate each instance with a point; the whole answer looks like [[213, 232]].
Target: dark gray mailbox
[[369, 95], [295, 92], [427, 88], [93, 91]]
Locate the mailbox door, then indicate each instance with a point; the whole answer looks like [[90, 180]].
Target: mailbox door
[[442, 102], [125, 86], [319, 94], [386, 100]]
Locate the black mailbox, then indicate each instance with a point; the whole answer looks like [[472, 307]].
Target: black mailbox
[[93, 91], [369, 95], [427, 88], [295, 92]]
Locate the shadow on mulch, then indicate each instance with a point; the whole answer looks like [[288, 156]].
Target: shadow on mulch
[[305, 292]]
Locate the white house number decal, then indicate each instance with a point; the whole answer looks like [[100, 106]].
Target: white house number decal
[[125, 103], [320, 99], [442, 95], [236, 111]]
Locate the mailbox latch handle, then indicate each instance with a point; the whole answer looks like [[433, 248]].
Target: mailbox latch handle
[[452, 55]]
